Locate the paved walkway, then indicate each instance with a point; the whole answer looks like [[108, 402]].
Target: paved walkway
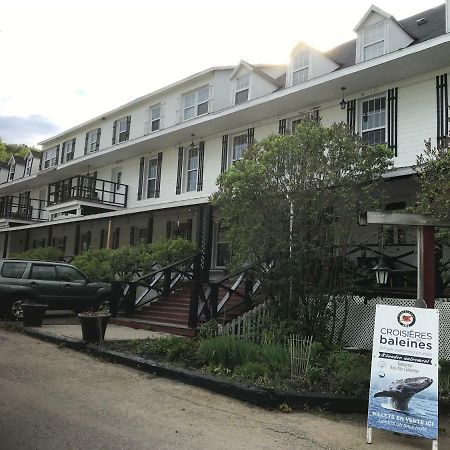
[[53, 398]]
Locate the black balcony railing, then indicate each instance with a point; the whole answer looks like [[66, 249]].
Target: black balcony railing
[[22, 208], [84, 187]]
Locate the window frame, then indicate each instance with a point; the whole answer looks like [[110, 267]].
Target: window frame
[[7, 263], [124, 132], [191, 184], [34, 265], [196, 103], [68, 150], [372, 129], [52, 159], [374, 42], [150, 161], [92, 142], [301, 68], [232, 153], [240, 89], [28, 165], [153, 120], [12, 171]]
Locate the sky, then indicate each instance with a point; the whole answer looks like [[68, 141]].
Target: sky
[[66, 61]]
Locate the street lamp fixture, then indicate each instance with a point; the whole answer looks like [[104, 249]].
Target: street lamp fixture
[[381, 272], [343, 103]]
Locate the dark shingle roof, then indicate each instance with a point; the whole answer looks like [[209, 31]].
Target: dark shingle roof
[[433, 26]]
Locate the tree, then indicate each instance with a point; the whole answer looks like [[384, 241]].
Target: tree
[[7, 150], [294, 199]]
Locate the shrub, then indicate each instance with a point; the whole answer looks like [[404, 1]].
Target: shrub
[[276, 359], [251, 371], [228, 351], [41, 254], [125, 261], [173, 347], [167, 252], [209, 329], [96, 264]]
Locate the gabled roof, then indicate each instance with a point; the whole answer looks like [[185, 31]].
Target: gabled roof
[[34, 153], [254, 69], [16, 159]]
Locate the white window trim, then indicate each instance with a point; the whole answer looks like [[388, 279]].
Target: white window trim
[[196, 102], [50, 155], [12, 171], [236, 90], [66, 149], [150, 119], [293, 70], [359, 114], [92, 142], [28, 166], [186, 169], [147, 178], [364, 45]]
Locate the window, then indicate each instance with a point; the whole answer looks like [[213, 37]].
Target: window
[[240, 144], [121, 130], [300, 68], [13, 269], [155, 118], [43, 272], [92, 141], [12, 170], [223, 248], [192, 169], [373, 125], [28, 165], [68, 150], [50, 157], [373, 41], [70, 274], [242, 89], [195, 103], [152, 173]]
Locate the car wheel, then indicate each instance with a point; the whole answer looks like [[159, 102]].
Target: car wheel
[[15, 307]]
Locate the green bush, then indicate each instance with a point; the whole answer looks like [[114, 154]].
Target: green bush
[[96, 264], [125, 261], [252, 371], [41, 254], [276, 359], [167, 252], [209, 329], [174, 348]]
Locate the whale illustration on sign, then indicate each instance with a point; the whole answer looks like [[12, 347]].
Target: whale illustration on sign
[[400, 392]]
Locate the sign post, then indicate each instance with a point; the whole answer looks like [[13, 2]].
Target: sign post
[[403, 396]]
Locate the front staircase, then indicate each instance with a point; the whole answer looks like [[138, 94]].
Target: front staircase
[[174, 299]]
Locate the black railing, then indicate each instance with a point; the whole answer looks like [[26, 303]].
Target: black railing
[[22, 208], [85, 187]]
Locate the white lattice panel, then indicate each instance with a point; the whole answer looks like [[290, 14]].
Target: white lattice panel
[[358, 331]]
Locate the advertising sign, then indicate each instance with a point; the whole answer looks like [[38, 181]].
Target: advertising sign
[[403, 395]]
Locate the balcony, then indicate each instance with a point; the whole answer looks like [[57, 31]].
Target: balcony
[[83, 194], [21, 210]]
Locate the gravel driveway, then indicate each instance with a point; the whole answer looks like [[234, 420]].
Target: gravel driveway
[[54, 398]]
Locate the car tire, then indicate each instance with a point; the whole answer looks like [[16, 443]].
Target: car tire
[[15, 311]]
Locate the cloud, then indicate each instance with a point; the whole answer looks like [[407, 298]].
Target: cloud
[[26, 130]]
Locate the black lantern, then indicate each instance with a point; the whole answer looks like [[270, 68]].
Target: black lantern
[[381, 272], [343, 103]]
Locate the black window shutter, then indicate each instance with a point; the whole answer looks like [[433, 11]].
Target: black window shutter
[[169, 229], [114, 132], [141, 178], [88, 238], [250, 136], [351, 115], [86, 140], [63, 151], [57, 154], [97, 142], [201, 158], [179, 170], [73, 146], [224, 164], [442, 110], [158, 175], [128, 128], [282, 126], [40, 161], [392, 119], [150, 230], [132, 235]]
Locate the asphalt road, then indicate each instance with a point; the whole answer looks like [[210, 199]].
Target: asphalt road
[[54, 398]]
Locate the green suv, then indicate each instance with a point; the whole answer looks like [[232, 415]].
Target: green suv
[[60, 286]]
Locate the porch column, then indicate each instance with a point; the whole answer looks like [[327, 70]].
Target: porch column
[[426, 274], [204, 239], [5, 245], [108, 234]]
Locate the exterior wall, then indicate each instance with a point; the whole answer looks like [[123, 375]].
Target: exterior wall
[[396, 37]]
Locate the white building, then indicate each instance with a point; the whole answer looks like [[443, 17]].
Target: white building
[[145, 170]]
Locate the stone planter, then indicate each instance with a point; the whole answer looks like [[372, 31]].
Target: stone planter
[[33, 314], [93, 326]]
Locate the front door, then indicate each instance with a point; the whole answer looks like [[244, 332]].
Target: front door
[[117, 189]]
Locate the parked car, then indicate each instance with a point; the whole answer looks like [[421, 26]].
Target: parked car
[[61, 286]]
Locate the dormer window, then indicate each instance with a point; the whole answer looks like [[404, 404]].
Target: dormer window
[[12, 170], [374, 41], [28, 165], [242, 89], [300, 68]]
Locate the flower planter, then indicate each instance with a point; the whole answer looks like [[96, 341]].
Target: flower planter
[[93, 325], [33, 314]]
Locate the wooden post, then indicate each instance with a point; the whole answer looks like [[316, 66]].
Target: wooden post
[[428, 266], [108, 235], [5, 245]]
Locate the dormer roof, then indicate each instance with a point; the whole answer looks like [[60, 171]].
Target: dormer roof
[[16, 159], [33, 153], [254, 69]]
